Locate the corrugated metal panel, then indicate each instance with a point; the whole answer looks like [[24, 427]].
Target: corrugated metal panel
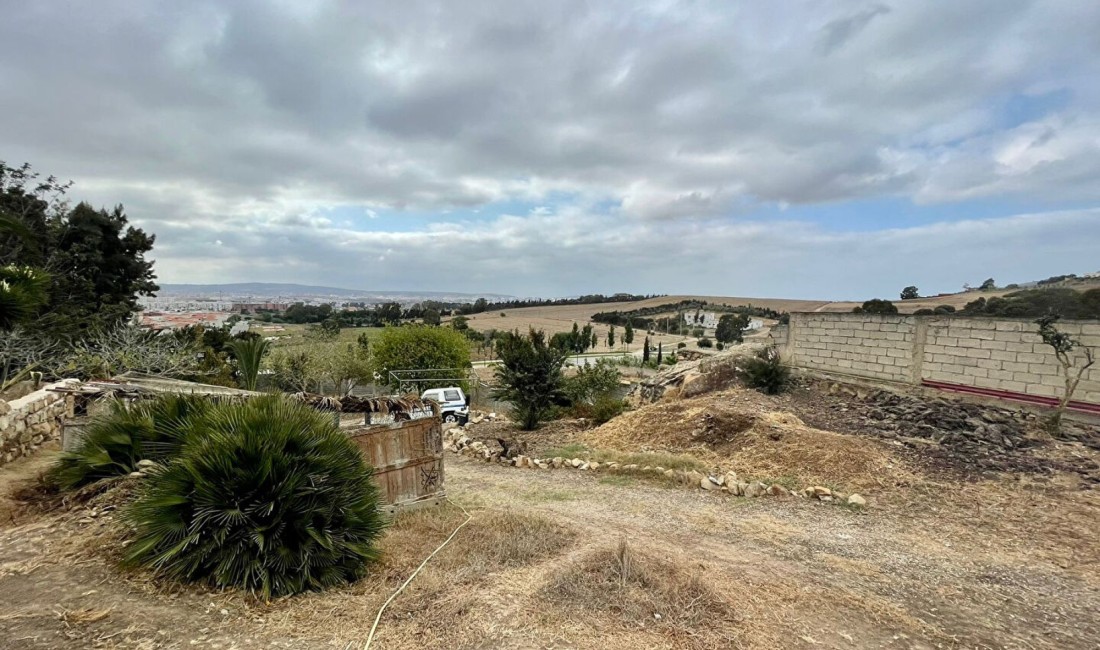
[[407, 458]]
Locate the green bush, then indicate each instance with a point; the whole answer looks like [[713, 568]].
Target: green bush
[[705, 343], [529, 376], [766, 372], [681, 345], [720, 346], [271, 498], [114, 442], [423, 348], [607, 407]]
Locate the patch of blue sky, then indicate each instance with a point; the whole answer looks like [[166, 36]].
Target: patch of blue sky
[[876, 214]]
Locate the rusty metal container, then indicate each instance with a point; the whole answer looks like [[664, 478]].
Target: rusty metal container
[[408, 461]]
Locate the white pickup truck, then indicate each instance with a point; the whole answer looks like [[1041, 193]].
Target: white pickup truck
[[453, 404]]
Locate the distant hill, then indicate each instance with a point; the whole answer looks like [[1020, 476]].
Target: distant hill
[[256, 290]]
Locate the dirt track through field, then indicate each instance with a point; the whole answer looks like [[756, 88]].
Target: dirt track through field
[[942, 567]]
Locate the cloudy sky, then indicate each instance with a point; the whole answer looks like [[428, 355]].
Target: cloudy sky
[[788, 149]]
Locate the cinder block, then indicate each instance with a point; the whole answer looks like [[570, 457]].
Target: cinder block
[[1014, 386], [993, 345], [1000, 355], [1039, 389], [1031, 357], [976, 372], [989, 364], [982, 334], [1008, 326]]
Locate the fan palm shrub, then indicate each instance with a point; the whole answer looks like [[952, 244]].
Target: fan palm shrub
[[271, 498], [114, 442], [249, 353]]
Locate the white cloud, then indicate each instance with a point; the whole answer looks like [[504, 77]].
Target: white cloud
[[249, 123]]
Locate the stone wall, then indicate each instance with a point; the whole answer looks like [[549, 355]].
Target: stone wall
[[32, 420], [1000, 354]]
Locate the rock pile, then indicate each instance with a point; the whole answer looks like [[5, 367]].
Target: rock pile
[[457, 440]]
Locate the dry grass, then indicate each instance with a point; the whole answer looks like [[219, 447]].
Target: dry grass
[[435, 610], [755, 444], [620, 587]]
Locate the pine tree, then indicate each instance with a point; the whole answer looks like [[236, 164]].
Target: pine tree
[[611, 337], [660, 353], [645, 351], [628, 333]]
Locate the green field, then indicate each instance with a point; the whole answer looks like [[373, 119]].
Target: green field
[[297, 334]]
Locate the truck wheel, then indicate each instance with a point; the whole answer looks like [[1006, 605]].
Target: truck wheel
[[449, 417]]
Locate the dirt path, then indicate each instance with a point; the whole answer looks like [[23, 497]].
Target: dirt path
[[840, 578], [968, 567]]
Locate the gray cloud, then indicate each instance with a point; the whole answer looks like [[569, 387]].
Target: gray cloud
[[242, 121]]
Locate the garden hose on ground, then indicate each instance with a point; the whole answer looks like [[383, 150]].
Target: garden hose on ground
[[370, 638]]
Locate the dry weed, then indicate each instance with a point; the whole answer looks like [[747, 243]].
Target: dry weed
[[620, 587]]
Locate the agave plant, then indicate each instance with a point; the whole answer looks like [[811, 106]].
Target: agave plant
[[272, 498], [115, 442]]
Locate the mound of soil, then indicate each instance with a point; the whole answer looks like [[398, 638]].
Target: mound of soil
[[755, 443]]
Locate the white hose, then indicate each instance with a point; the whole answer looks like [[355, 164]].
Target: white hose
[[386, 604]]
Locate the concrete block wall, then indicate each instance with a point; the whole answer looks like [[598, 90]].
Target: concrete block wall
[[1006, 354], [994, 353], [33, 420], [867, 345]]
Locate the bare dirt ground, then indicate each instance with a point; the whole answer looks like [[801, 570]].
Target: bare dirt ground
[[933, 563]]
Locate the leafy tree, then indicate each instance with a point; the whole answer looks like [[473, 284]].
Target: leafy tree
[[876, 306], [731, 328], [249, 354], [530, 375], [611, 337], [593, 382], [460, 323], [98, 268], [910, 293], [419, 347], [28, 203], [295, 370], [988, 285], [628, 333], [431, 317], [295, 510], [389, 312], [1033, 303], [1073, 368]]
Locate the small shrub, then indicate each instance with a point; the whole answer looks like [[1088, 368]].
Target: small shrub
[[681, 345], [705, 343], [115, 442], [766, 372], [272, 498], [720, 346], [607, 407]]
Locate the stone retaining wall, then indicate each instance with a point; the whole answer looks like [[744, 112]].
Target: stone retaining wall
[[32, 420], [1004, 354]]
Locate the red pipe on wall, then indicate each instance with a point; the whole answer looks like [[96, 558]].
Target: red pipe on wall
[[1084, 407]]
